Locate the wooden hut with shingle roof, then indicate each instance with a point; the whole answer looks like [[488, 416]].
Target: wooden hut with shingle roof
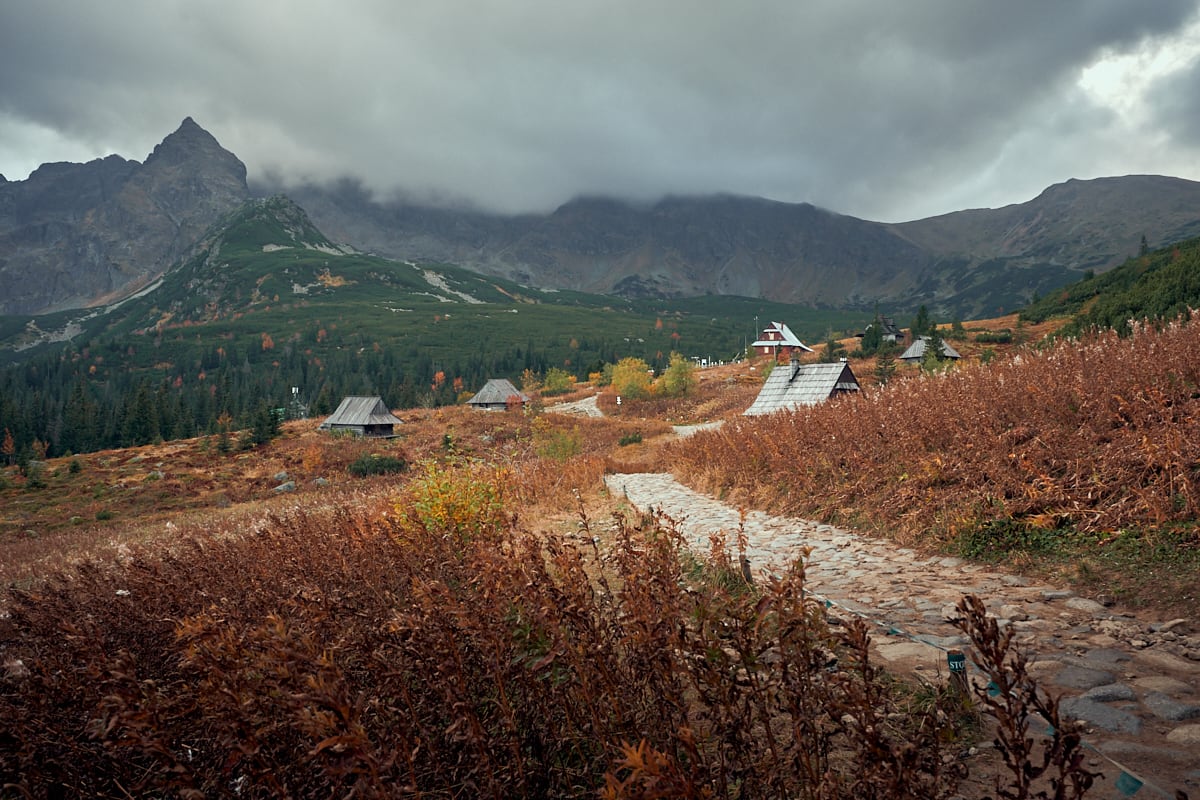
[[916, 350], [365, 416], [795, 384], [498, 394]]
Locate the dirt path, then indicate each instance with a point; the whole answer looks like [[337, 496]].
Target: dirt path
[[1134, 681]]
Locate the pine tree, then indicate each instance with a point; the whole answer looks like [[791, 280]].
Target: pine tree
[[81, 428], [935, 344], [921, 324], [872, 338], [141, 418], [885, 364], [833, 351], [266, 425]]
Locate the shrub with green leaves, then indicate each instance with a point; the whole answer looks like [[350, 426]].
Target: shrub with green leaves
[[462, 502], [372, 464], [556, 443], [678, 379], [557, 381]]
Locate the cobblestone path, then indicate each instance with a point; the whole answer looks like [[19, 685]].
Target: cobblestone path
[[1134, 681]]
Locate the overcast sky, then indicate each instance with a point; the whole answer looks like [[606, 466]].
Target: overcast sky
[[883, 109]]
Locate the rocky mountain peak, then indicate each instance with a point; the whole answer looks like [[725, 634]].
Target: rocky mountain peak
[[191, 143], [95, 232]]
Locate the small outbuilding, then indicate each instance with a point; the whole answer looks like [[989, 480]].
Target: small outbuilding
[[796, 384], [498, 394], [916, 350], [365, 416]]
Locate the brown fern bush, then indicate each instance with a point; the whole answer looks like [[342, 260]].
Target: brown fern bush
[[547, 483], [508, 436], [441, 650], [1097, 434], [713, 398]]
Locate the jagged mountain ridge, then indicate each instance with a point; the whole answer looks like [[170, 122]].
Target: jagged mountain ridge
[[95, 232], [972, 263], [91, 233]]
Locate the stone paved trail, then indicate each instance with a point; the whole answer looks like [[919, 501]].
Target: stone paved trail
[[1134, 682], [584, 408]]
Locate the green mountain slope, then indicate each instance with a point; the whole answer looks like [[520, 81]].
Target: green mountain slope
[[266, 304], [1154, 286], [268, 272]]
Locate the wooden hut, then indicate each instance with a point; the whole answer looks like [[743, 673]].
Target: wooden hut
[[498, 394], [365, 416], [777, 339], [916, 350], [796, 384]]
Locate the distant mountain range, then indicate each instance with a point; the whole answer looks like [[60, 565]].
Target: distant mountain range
[[968, 263], [78, 235]]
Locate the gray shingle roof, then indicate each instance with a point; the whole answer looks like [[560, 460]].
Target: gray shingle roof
[[916, 350], [791, 385], [496, 392], [359, 410]]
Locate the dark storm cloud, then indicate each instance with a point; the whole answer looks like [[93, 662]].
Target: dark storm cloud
[[1175, 105], [881, 109]]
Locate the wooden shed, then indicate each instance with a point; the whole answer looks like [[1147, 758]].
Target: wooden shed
[[795, 384], [916, 350], [365, 416], [498, 394]]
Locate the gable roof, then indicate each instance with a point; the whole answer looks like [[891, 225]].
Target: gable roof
[[916, 350], [795, 384], [786, 338], [360, 410], [887, 326], [496, 392]]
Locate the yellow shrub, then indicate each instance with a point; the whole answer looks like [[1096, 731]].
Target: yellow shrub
[[460, 502]]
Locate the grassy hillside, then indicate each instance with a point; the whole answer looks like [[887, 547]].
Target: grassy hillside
[[1156, 285], [266, 303], [267, 270]]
